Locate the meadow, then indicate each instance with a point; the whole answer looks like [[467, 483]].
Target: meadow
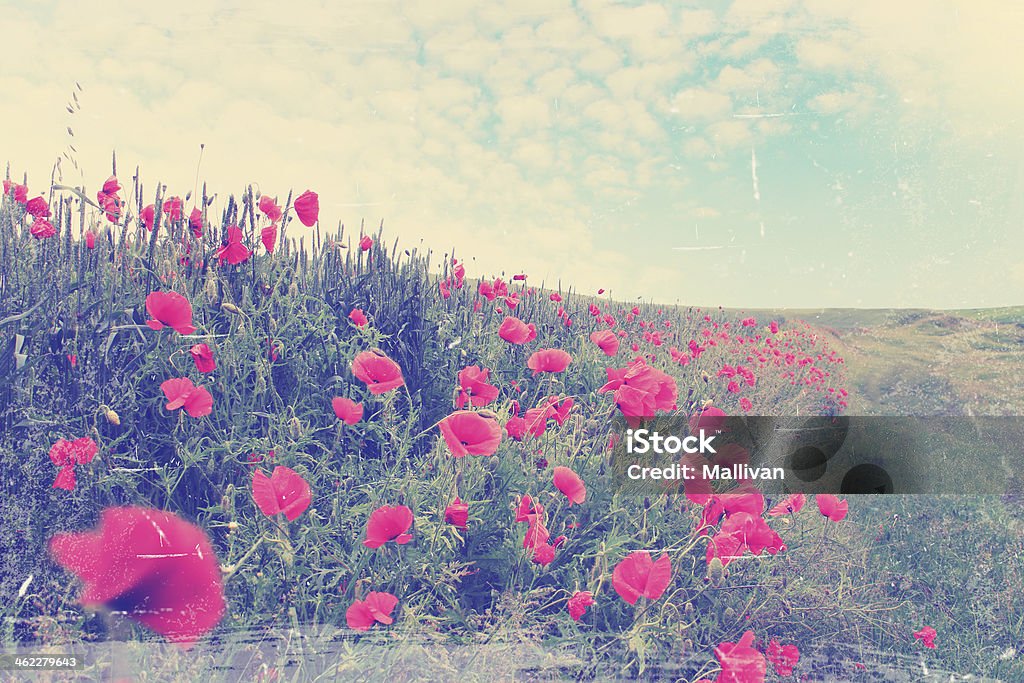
[[235, 453]]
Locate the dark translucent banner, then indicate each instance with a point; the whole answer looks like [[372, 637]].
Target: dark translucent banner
[[840, 455]]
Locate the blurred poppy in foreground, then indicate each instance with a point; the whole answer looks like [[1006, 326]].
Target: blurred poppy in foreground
[[283, 491], [150, 565]]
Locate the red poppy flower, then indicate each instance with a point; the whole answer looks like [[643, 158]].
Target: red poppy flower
[[365, 243], [90, 240], [606, 341], [195, 221], [67, 454], [515, 331], [783, 657], [790, 505], [38, 208], [570, 484], [170, 309], [181, 393], [357, 317], [740, 662], [831, 506], [640, 390], [147, 216], [536, 533], [283, 491], [578, 604], [377, 607], [710, 419], [637, 576], [42, 229], [548, 360], [388, 524], [20, 191], [457, 513], [528, 508], [543, 554], [307, 208], [347, 410], [203, 357], [270, 208], [470, 433], [268, 236], [473, 387], [234, 252], [742, 531], [151, 565], [927, 636], [377, 371]]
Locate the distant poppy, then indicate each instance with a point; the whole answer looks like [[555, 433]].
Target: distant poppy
[[548, 360], [181, 393], [365, 243], [783, 657], [790, 505], [203, 357], [470, 433], [347, 410], [927, 636], [195, 221], [515, 331], [831, 506], [570, 484], [357, 317], [388, 523], [638, 576], [20, 191], [578, 604], [283, 491], [457, 513], [42, 229], [307, 208], [268, 236], [376, 607], [234, 252], [377, 371], [152, 566], [172, 209], [170, 309]]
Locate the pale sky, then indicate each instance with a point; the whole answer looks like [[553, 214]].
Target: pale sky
[[752, 154]]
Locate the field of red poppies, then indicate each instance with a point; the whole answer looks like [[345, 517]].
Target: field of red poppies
[[232, 452]]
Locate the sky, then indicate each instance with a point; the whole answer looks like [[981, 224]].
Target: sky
[[748, 154]]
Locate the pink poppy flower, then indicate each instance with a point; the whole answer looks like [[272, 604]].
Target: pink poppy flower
[[357, 317], [927, 636], [515, 331], [578, 604], [147, 216], [606, 341], [790, 505], [347, 410], [377, 371], [152, 566], [548, 360], [307, 208], [67, 454], [268, 236], [831, 506], [527, 509], [388, 524], [470, 433], [473, 387], [234, 252], [638, 576], [570, 484], [457, 513], [270, 208], [203, 357], [37, 208], [181, 393], [377, 607], [283, 491], [543, 554], [783, 657], [195, 221], [42, 229], [740, 662], [90, 240], [169, 309], [365, 243], [20, 191]]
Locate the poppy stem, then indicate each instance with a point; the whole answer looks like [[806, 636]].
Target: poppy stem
[[238, 565]]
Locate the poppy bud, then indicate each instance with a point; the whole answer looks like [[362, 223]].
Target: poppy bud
[[688, 609], [704, 376], [272, 323], [295, 428], [112, 417], [716, 571], [231, 308], [293, 290], [729, 613], [211, 287], [232, 526]]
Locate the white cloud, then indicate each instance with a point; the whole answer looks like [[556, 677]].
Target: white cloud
[[699, 104]]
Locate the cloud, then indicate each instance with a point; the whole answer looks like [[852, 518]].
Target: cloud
[[699, 104]]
